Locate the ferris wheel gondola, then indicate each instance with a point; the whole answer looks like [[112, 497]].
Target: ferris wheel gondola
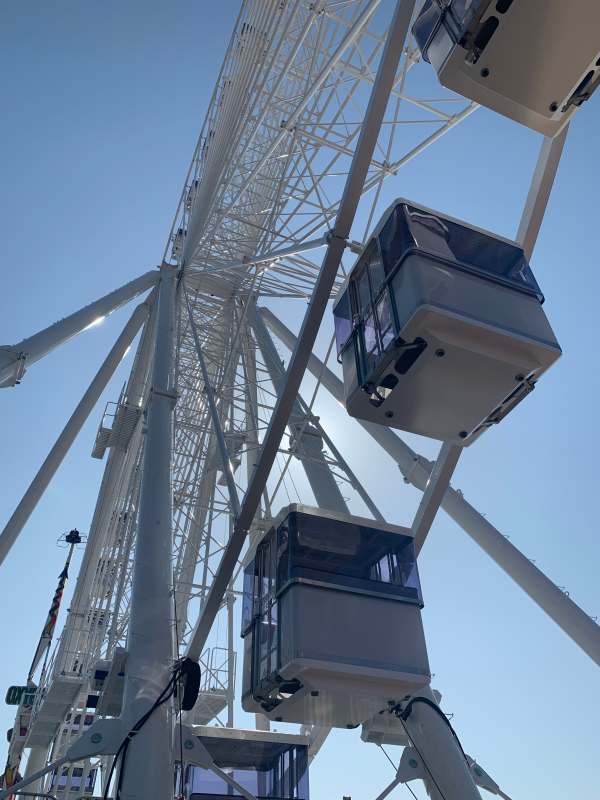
[[440, 331]]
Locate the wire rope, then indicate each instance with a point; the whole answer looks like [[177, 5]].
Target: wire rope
[[396, 768]]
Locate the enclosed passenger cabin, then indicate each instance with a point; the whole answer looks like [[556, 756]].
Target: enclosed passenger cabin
[[535, 61], [440, 327], [269, 765], [331, 619]]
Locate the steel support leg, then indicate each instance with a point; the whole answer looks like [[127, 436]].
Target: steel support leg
[[148, 769], [38, 486], [437, 483], [446, 772], [230, 658], [119, 467], [14, 359], [580, 627], [36, 762], [539, 191]]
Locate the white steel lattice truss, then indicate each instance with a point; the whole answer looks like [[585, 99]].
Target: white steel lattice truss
[[259, 201]]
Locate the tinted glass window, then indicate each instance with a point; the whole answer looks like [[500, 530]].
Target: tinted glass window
[[460, 7], [385, 320], [283, 778], [282, 555], [398, 568], [430, 233], [465, 10], [473, 249], [248, 601], [375, 266], [334, 550], [394, 239], [490, 255], [371, 343], [361, 357], [90, 780], [425, 25], [342, 318], [371, 349], [363, 293], [262, 647]]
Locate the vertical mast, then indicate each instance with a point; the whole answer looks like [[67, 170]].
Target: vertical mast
[[147, 769]]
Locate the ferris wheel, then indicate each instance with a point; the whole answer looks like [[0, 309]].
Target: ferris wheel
[[226, 500]]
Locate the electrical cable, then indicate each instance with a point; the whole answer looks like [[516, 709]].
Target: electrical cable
[[388, 757], [405, 713], [167, 692], [425, 764], [396, 768], [179, 695], [411, 791], [165, 695], [181, 667]]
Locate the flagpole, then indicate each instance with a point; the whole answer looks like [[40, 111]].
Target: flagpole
[[73, 538]]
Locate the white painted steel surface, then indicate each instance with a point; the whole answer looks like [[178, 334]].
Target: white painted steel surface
[[286, 115], [557, 65], [148, 770], [36, 489], [16, 358]]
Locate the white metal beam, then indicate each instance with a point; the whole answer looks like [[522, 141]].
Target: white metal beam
[[352, 35], [322, 482], [539, 192], [61, 447], [15, 359], [435, 489], [266, 258], [148, 770], [214, 413], [347, 209]]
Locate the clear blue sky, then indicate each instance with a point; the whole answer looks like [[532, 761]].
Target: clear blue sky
[[101, 107]]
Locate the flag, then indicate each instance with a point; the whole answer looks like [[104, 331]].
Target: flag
[[48, 629]]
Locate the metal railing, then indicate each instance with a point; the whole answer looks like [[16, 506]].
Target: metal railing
[[214, 664]]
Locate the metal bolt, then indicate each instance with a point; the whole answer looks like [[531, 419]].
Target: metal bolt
[[463, 434], [96, 738], [440, 352], [413, 763], [188, 744], [554, 106], [389, 414], [485, 72]]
